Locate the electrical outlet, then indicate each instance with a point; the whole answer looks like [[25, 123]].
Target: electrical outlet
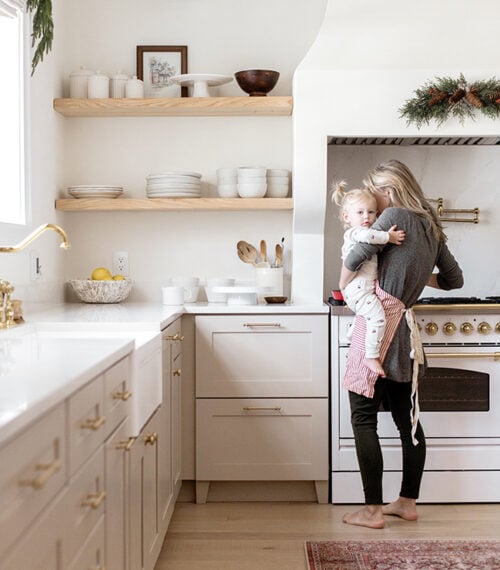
[[35, 266], [120, 263]]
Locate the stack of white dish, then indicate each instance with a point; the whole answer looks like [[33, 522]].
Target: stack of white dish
[[227, 182], [252, 181], [95, 191], [277, 183], [174, 185]]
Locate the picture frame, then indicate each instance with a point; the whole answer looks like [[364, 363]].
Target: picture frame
[[156, 64]]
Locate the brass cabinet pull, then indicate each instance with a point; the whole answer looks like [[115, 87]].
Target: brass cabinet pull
[[123, 395], [494, 355], [93, 424], [177, 372], [176, 336], [126, 444], [261, 408], [94, 500], [276, 325], [150, 438], [47, 470]]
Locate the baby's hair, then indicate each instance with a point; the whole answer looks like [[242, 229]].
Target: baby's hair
[[343, 197]]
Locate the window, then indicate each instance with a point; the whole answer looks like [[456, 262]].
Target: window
[[12, 112]]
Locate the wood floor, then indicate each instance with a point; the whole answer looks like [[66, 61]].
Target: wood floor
[[270, 536]]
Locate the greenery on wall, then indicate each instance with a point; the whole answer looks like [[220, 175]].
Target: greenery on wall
[[445, 97], [42, 32]]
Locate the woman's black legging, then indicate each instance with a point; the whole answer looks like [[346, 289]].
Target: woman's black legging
[[396, 397]]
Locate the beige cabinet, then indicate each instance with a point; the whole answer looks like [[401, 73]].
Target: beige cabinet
[[262, 400]]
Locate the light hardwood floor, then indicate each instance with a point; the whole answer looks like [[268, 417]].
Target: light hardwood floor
[[270, 536]]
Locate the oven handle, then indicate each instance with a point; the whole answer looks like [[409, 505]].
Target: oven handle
[[494, 355]]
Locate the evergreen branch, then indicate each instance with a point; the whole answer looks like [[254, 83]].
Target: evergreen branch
[[43, 29]]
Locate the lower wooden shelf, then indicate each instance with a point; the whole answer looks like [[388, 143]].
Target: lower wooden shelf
[[162, 204]]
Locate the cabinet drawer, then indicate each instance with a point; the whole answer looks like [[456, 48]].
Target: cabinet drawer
[[32, 472], [91, 555], [257, 439], [86, 422], [262, 356], [117, 395]]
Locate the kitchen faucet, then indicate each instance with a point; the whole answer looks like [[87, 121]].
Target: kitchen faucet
[[6, 289]]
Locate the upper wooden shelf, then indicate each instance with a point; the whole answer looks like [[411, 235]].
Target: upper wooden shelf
[[176, 106], [159, 204]]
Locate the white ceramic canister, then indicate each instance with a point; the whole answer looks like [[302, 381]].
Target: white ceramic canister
[[78, 83], [117, 85], [134, 88], [98, 86], [269, 281]]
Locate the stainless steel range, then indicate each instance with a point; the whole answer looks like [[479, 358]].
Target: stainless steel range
[[459, 400]]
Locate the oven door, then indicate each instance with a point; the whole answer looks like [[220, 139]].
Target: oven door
[[460, 395]]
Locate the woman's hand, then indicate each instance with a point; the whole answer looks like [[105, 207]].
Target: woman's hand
[[346, 276], [396, 236]]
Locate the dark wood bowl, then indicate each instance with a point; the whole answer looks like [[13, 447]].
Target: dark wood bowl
[[257, 82], [275, 300]]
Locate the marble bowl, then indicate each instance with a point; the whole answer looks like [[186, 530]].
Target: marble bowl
[[90, 291], [257, 82]]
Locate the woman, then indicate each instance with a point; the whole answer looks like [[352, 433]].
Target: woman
[[403, 273]]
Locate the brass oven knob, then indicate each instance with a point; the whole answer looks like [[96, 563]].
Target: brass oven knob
[[431, 328], [467, 328], [483, 328], [449, 328]]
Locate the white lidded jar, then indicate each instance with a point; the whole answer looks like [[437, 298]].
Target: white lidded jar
[[134, 88], [78, 83], [98, 86], [117, 85]]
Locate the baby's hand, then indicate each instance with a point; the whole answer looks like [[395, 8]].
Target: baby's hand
[[396, 236]]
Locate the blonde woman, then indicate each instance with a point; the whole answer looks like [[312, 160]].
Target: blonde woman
[[403, 272], [358, 212]]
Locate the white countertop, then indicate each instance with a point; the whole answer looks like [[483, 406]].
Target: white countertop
[[40, 368]]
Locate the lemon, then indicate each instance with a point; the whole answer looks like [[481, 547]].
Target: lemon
[[118, 277], [101, 274]]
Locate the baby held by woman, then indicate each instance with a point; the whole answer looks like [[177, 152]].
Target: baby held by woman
[[358, 211]]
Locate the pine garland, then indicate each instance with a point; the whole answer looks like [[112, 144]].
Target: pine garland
[[445, 97], [43, 29]]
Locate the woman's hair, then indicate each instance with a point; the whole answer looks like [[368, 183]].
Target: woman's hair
[[343, 197], [404, 190]]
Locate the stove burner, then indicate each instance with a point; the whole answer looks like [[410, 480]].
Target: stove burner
[[458, 301]]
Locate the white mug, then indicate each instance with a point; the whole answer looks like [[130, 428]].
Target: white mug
[[172, 295]]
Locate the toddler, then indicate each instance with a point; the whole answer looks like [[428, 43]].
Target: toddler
[[358, 211]]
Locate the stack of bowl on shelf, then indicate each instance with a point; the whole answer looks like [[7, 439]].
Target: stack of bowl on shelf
[[227, 182], [174, 184], [252, 181], [277, 183], [94, 191]]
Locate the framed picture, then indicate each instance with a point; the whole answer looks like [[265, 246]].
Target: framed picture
[[156, 65]]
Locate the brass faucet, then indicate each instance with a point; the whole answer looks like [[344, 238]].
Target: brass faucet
[[6, 289]]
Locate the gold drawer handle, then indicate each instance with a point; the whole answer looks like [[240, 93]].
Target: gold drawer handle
[[124, 395], [151, 438], [176, 336], [126, 444], [94, 500], [261, 408], [276, 325], [177, 372], [48, 469], [93, 424]]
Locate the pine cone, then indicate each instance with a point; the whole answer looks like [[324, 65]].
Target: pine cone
[[473, 100], [457, 95], [437, 98], [494, 96]]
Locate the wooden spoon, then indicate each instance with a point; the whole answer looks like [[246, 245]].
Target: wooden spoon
[[279, 255], [263, 250], [247, 252]]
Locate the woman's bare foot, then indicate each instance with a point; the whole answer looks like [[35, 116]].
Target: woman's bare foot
[[369, 516], [375, 365], [403, 507]]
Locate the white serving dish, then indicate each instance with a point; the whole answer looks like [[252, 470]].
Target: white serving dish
[[212, 283], [239, 294], [200, 82]]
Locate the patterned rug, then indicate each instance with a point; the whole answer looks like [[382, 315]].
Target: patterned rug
[[404, 555]]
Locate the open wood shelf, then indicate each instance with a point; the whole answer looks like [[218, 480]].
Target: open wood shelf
[[162, 204], [176, 106]]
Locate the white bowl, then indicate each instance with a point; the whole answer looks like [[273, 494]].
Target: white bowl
[[252, 190], [272, 172], [90, 291], [277, 179], [227, 190], [277, 190], [251, 171]]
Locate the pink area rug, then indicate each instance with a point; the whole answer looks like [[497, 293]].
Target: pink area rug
[[404, 555]]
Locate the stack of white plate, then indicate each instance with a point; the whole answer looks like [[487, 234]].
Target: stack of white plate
[[174, 185], [95, 191]]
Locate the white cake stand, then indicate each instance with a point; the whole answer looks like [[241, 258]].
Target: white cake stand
[[200, 82]]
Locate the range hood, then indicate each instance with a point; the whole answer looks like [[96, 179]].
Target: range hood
[[368, 58]]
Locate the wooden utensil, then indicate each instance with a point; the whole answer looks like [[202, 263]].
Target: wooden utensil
[[263, 250], [279, 255], [247, 252]]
